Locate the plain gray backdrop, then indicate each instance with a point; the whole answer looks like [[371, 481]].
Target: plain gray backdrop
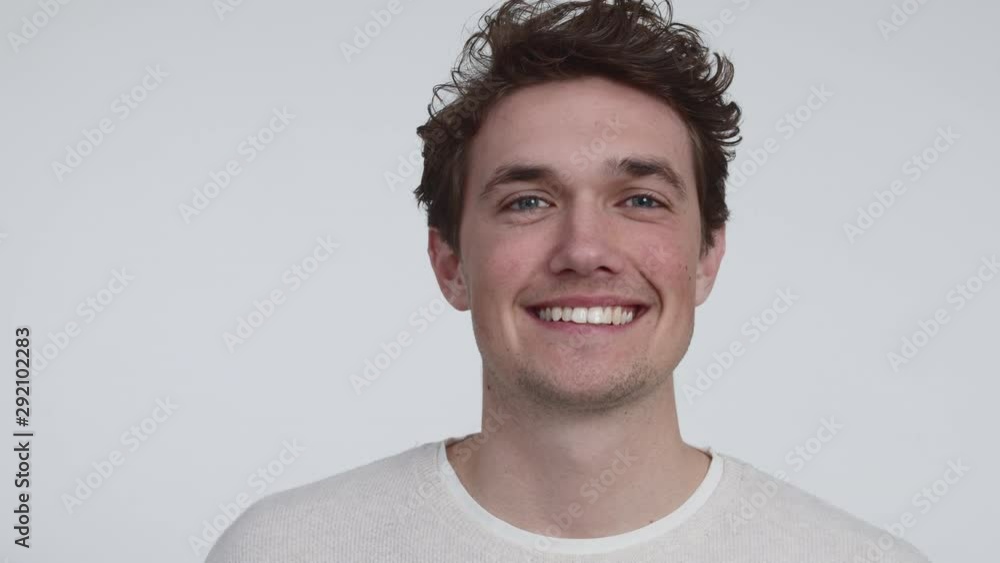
[[875, 209]]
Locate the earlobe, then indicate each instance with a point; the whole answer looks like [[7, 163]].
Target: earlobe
[[708, 266], [447, 269]]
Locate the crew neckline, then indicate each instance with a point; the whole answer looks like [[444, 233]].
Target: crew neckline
[[575, 546]]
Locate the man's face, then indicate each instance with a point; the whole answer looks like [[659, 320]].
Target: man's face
[[565, 206]]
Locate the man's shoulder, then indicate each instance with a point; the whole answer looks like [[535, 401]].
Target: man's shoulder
[[765, 505], [299, 523], [358, 485]]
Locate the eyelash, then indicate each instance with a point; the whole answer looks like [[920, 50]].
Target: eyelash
[[648, 195]]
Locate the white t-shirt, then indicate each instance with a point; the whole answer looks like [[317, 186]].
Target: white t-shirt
[[412, 507]]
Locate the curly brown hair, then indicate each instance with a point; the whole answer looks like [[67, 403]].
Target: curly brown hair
[[633, 42]]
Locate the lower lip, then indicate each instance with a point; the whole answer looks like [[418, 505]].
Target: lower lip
[[586, 328]]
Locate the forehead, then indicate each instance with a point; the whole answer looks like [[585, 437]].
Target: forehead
[[573, 125]]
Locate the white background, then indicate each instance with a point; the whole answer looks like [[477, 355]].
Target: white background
[[62, 237]]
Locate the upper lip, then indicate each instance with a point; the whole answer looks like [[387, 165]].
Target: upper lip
[[588, 301]]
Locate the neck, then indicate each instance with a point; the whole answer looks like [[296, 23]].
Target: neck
[[580, 475]]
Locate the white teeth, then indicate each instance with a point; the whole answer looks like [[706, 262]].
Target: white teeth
[[595, 315], [589, 315]]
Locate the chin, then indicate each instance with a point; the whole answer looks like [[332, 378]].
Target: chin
[[583, 389]]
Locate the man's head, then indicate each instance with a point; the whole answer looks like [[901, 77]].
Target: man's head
[[582, 162]]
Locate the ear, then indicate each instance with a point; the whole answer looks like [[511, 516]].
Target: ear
[[448, 270], [708, 266]]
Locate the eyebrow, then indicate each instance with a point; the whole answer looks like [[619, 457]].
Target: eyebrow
[[632, 167]]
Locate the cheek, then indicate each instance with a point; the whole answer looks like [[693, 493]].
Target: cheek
[[500, 267], [494, 282], [666, 261], [679, 278], [669, 267]]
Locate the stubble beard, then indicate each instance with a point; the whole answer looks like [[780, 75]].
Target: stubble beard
[[544, 391]]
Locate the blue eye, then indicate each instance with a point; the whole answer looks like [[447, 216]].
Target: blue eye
[[648, 198], [522, 204], [511, 205]]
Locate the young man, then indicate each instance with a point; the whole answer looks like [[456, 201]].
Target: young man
[[575, 190]]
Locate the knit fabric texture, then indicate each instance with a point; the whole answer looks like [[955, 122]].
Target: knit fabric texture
[[411, 507]]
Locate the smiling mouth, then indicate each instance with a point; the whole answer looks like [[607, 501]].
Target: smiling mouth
[[590, 316]]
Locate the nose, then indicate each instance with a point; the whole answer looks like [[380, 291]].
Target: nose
[[587, 242]]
